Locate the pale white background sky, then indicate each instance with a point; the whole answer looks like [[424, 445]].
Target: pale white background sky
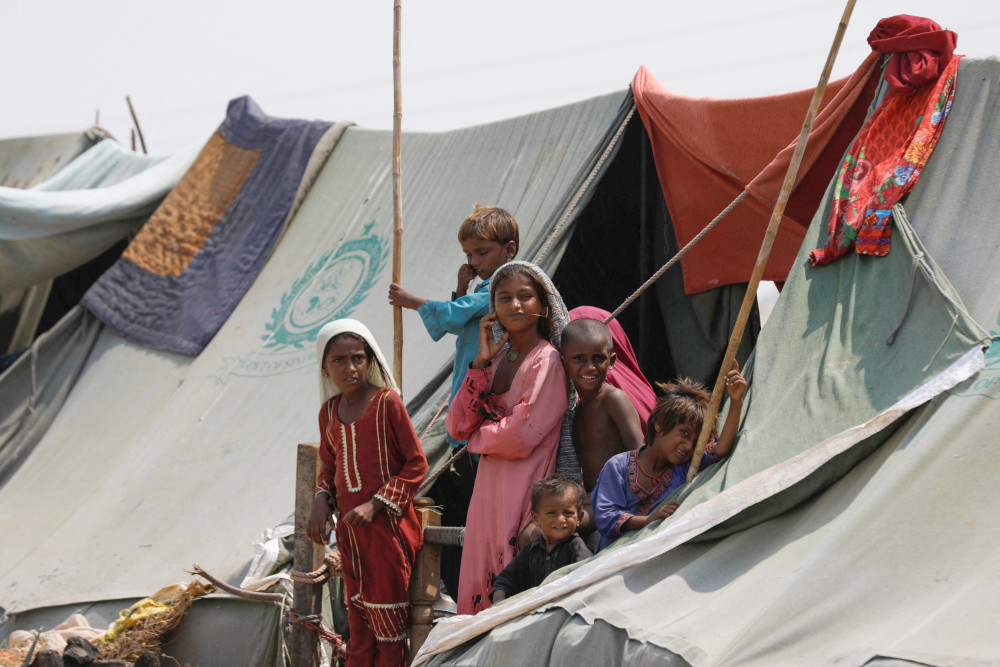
[[464, 61]]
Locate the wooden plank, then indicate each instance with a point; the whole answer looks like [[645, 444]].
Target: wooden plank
[[425, 579], [308, 556]]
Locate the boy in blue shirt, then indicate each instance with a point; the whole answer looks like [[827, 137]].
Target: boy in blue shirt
[[489, 239]]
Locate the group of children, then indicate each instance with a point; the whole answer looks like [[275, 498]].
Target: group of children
[[517, 349]]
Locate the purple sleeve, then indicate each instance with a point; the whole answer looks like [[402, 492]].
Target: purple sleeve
[[610, 498]]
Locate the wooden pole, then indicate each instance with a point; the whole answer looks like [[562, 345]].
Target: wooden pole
[[142, 140], [308, 556], [765, 248], [425, 580], [397, 196]]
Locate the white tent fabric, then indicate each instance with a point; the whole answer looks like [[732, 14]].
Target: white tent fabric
[[95, 201]]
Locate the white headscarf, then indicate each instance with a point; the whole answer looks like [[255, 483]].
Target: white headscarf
[[327, 388]]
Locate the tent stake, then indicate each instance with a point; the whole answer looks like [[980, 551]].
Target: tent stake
[[397, 197], [765, 248]]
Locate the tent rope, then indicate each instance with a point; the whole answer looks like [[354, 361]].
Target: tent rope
[[673, 260], [434, 418], [315, 623], [330, 568], [918, 259], [583, 188], [429, 482]]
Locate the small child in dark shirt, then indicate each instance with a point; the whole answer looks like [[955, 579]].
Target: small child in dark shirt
[[556, 508]]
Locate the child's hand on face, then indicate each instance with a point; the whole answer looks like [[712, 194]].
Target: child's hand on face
[[465, 275], [488, 347], [736, 384], [362, 515]]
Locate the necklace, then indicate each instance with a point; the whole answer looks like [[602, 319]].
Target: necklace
[[656, 478], [512, 355]]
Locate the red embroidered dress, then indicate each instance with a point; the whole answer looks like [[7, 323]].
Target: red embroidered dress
[[378, 456]]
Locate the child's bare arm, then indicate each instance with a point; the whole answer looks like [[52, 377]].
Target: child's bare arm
[[626, 419], [398, 296], [588, 522], [637, 522], [736, 385], [319, 517]]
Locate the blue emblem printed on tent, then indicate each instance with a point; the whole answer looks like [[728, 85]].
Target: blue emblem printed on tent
[[330, 288]]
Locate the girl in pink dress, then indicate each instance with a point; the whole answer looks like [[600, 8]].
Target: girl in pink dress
[[510, 408]]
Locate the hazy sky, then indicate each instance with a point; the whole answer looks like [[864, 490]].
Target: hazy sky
[[464, 61]]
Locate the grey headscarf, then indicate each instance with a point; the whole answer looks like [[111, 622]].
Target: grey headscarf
[[558, 313], [567, 463]]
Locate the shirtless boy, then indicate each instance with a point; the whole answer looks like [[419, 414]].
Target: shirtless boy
[[606, 423]]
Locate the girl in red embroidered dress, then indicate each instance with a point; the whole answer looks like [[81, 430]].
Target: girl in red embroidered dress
[[372, 464]]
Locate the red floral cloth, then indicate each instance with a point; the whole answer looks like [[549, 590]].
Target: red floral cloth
[[886, 158]]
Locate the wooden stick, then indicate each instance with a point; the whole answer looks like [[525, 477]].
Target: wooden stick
[[308, 556], [425, 580], [142, 141], [397, 196], [765, 248], [257, 596]]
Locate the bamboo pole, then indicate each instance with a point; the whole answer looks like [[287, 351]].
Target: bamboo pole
[[142, 140], [765, 248], [397, 196]]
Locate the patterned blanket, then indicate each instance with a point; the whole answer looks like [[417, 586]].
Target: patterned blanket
[[198, 254]]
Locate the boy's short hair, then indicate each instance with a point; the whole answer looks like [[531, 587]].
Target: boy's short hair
[[491, 223], [587, 328], [555, 485], [683, 402]]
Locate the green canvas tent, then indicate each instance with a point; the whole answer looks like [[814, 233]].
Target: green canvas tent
[[853, 523]]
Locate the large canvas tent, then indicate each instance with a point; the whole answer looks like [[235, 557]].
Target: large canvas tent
[[852, 524], [150, 461], [134, 463]]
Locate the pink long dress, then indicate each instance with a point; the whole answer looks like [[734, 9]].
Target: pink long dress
[[517, 443]]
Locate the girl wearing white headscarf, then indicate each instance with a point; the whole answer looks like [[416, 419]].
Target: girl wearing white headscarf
[[372, 465]]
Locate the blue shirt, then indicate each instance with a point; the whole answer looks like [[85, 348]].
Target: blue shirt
[[461, 317]]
